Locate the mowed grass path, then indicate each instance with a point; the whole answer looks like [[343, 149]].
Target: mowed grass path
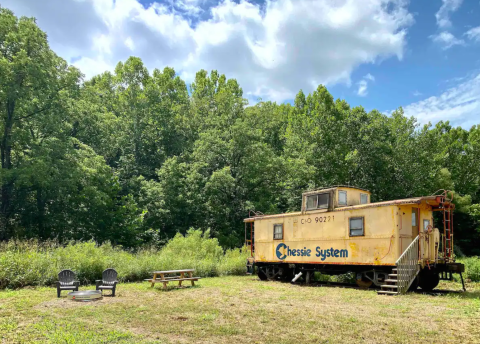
[[240, 309]]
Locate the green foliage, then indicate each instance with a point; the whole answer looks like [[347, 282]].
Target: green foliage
[[33, 263], [134, 157], [472, 268], [233, 262]]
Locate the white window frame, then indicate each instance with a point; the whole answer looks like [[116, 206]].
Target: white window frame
[[306, 202], [350, 226], [317, 195], [363, 194], [275, 226], [342, 192]]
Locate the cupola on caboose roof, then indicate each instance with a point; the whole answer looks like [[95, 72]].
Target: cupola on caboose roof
[[334, 197]]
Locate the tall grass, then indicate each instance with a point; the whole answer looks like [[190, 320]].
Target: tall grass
[[35, 264], [472, 268], [30, 263]]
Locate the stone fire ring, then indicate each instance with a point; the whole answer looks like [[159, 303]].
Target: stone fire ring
[[85, 295]]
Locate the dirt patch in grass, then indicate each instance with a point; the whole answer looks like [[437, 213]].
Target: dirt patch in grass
[[180, 318], [67, 303]]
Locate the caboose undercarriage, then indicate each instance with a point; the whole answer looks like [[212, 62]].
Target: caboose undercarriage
[[365, 275]]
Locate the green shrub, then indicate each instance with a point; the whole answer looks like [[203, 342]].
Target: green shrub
[[472, 268], [344, 278], [32, 263], [233, 262]]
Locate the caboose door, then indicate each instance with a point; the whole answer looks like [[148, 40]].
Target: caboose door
[[415, 217]]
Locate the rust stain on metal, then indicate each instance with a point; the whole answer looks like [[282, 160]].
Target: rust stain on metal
[[354, 249]]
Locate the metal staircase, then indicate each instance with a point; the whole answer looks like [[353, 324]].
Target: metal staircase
[[405, 272]]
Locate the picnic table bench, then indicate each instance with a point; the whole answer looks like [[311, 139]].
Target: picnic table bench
[[165, 279]]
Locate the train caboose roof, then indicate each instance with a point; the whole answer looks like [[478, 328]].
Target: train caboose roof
[[336, 186], [430, 200]]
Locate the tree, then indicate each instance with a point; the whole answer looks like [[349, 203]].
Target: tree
[[133, 157], [34, 83]]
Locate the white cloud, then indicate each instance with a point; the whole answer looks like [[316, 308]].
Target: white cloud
[[446, 40], [363, 85], [94, 66], [362, 88], [473, 34], [272, 50], [369, 77], [191, 7], [460, 105], [417, 94], [129, 43], [443, 14]]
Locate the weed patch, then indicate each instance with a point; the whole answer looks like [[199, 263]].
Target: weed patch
[[30, 263]]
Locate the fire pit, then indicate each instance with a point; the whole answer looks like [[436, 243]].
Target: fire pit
[[85, 295]]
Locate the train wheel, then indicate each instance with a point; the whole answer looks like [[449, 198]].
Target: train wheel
[[261, 274], [429, 279], [364, 283], [414, 285], [287, 274]]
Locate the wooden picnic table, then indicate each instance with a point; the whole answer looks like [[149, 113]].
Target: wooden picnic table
[[165, 279]]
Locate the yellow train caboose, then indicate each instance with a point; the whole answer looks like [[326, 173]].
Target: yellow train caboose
[[391, 244]]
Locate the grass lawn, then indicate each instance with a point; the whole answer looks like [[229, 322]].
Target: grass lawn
[[240, 310]]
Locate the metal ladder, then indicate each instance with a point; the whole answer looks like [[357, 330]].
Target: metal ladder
[[447, 232], [445, 198], [250, 242], [404, 273]]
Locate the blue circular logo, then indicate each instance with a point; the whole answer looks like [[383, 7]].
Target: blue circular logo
[[281, 255]]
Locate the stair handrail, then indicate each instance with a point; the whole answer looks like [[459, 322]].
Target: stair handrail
[[407, 266]]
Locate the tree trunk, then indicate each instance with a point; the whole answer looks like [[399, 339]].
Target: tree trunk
[[41, 215], [7, 183]]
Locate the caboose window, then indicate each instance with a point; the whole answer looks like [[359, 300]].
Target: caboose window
[[342, 197], [426, 223], [363, 198], [278, 232], [414, 217], [319, 201], [323, 200], [357, 226], [312, 202]]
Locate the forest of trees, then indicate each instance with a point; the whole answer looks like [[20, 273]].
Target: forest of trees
[[135, 156]]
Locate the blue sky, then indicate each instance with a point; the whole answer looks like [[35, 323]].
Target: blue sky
[[423, 55], [426, 68]]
